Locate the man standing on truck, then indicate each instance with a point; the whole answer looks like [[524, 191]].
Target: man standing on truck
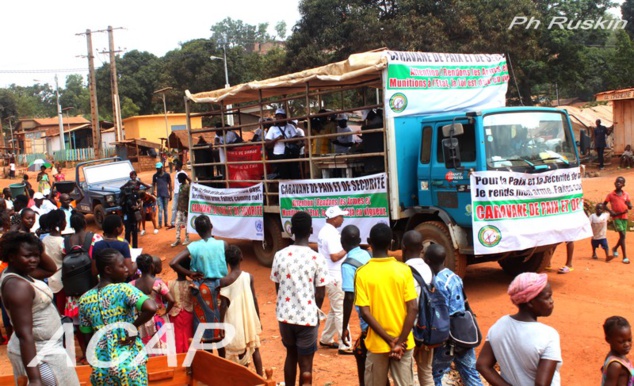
[[283, 150], [329, 245], [162, 189], [600, 140], [343, 142]]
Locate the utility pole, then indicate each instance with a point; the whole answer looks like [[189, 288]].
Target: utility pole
[[60, 118], [167, 134], [116, 104], [94, 112]]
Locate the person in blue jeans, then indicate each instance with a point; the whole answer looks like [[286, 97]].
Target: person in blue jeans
[[450, 285], [162, 189], [350, 240]]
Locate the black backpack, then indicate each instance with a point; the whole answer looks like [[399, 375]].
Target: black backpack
[[77, 275], [432, 326]]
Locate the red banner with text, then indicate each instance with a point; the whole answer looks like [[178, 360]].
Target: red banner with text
[[251, 171]]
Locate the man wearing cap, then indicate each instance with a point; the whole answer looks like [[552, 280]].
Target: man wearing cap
[[329, 245], [279, 131], [179, 170], [162, 189], [42, 205]]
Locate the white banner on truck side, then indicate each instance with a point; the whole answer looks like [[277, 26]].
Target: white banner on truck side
[[515, 211], [429, 82], [234, 213], [365, 199]]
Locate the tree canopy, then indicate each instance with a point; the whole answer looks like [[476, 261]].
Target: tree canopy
[[573, 60]]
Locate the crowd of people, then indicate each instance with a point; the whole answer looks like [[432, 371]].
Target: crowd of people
[[39, 291]]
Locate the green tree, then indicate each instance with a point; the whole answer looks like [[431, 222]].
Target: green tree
[[76, 95]]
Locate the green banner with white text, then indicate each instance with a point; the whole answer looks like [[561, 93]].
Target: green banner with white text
[[364, 198], [516, 211]]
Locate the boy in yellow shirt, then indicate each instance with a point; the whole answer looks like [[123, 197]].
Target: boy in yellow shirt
[[387, 300]]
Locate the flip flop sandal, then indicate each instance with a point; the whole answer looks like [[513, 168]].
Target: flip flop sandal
[[565, 269], [615, 253], [549, 268], [626, 261]]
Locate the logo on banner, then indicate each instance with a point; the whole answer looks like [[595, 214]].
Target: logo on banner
[[259, 227], [193, 220], [398, 102], [489, 236]]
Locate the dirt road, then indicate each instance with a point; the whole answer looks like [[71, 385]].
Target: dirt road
[[594, 291]]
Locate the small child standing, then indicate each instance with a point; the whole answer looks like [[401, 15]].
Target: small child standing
[[620, 203], [627, 158], [617, 369], [599, 223], [182, 314], [150, 285], [181, 209], [240, 309]]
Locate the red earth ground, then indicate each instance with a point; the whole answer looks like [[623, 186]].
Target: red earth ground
[[584, 298]]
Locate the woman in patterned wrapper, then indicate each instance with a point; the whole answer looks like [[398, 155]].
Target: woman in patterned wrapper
[[114, 301]]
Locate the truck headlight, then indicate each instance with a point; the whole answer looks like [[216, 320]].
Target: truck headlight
[[110, 199]]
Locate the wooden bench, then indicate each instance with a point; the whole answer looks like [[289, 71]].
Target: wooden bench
[[206, 369]]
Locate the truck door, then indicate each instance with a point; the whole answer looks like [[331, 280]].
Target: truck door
[[450, 188], [424, 166]]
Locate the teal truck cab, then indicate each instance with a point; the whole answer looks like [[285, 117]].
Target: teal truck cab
[[437, 155], [460, 167]]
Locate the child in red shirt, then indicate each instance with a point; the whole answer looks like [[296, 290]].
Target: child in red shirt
[[619, 205]]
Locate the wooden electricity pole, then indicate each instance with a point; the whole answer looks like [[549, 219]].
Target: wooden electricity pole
[[94, 112], [116, 103]]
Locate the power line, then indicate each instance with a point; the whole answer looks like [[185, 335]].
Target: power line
[[47, 71]]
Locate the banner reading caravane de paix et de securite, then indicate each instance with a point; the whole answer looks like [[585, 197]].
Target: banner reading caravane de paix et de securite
[[515, 211], [432, 82], [235, 213], [365, 199]]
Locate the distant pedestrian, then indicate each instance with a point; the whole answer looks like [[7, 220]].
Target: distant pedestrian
[[620, 204], [162, 189], [528, 352], [300, 276], [617, 370], [182, 207], [386, 296], [600, 140], [599, 223], [179, 170]]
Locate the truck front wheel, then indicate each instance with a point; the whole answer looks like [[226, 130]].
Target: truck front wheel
[[100, 214], [435, 232], [516, 265], [273, 241]]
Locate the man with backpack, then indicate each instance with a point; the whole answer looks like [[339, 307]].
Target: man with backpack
[[386, 297], [450, 285], [412, 247], [357, 257]]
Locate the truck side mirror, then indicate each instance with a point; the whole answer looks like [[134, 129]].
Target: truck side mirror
[[453, 129], [451, 152]]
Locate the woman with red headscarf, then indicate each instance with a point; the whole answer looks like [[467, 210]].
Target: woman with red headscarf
[[527, 351]]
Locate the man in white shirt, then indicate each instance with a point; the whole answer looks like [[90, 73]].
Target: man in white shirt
[[329, 245], [343, 142], [277, 132], [41, 207], [179, 170]]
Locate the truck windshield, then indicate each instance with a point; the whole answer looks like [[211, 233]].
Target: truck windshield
[[528, 139]]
